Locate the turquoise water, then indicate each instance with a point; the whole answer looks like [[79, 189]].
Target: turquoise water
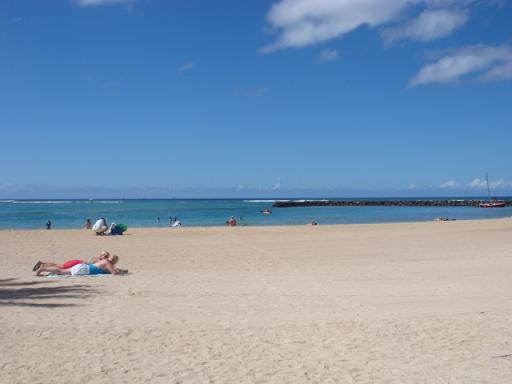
[[33, 214]]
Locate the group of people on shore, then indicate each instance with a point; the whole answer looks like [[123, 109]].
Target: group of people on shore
[[101, 227], [173, 221], [104, 263], [233, 223]]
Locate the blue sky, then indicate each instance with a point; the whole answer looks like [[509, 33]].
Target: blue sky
[[189, 98]]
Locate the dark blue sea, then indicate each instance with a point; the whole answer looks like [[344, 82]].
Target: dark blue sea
[[33, 214]]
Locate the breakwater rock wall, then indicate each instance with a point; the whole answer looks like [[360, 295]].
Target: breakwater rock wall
[[382, 203]]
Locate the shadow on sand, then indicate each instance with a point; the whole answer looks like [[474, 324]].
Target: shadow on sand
[[30, 294]]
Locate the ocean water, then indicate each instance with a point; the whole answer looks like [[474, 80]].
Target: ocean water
[[33, 214]]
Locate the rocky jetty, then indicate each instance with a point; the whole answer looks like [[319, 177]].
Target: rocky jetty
[[381, 203]]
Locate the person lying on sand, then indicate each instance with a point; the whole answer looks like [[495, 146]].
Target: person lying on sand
[[105, 265], [71, 263]]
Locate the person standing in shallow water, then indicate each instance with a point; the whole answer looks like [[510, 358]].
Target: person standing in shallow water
[[49, 224], [88, 224]]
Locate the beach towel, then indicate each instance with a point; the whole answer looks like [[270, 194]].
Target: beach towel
[[54, 276], [118, 229]]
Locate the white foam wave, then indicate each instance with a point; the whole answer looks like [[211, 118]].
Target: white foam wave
[[41, 202], [264, 201], [102, 201], [60, 201]]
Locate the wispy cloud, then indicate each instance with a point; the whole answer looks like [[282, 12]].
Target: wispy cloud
[[478, 62], [91, 3], [113, 83], [429, 25], [253, 92], [186, 67], [277, 185], [411, 186], [302, 23], [450, 184], [5, 188], [328, 55], [496, 184], [276, 189]]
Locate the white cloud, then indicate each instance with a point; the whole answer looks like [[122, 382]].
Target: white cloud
[[477, 184], [87, 3], [499, 72], [4, 187], [186, 67], [328, 55], [302, 23], [305, 22], [500, 184], [496, 184], [480, 62], [429, 25], [411, 186], [277, 185], [449, 184]]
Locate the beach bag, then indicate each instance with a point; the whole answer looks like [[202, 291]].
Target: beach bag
[[119, 229]]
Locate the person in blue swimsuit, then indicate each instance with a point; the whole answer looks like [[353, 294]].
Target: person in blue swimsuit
[[94, 270]]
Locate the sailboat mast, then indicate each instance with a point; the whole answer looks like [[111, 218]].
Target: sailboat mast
[[488, 189]]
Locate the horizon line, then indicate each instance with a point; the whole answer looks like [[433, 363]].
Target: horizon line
[[7, 199]]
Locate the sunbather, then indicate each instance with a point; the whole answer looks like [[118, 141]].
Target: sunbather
[[106, 265], [71, 263]]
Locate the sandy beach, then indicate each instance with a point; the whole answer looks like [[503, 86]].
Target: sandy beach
[[386, 303]]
